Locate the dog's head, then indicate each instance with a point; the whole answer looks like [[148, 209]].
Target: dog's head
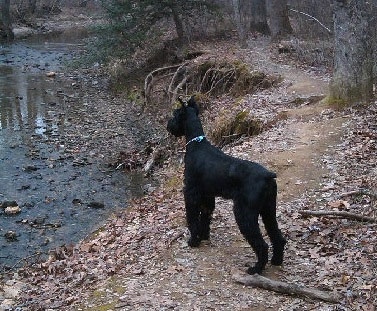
[[176, 125]]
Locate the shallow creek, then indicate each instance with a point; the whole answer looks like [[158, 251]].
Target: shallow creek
[[63, 194]]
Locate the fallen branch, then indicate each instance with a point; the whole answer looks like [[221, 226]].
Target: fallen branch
[[8, 270], [257, 280], [358, 192], [175, 237], [342, 214], [151, 161]]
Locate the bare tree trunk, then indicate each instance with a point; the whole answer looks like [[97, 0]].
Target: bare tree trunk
[[279, 21], [178, 23], [259, 17], [240, 27], [32, 6], [6, 32], [354, 26]]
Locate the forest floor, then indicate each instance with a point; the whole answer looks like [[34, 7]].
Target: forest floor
[[325, 159]]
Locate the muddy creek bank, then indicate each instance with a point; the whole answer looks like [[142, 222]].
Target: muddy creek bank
[[59, 129]]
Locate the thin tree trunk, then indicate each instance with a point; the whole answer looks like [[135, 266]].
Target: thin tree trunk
[[178, 23], [259, 17], [32, 6], [354, 25], [6, 32], [240, 27], [279, 21]]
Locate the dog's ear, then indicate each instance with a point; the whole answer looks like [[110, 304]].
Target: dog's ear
[[181, 101], [192, 103]]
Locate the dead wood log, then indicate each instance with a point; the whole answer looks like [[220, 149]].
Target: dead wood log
[[342, 214], [156, 154], [257, 280]]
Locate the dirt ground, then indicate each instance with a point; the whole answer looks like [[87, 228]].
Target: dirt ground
[[323, 157]]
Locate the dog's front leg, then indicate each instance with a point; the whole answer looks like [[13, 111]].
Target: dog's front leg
[[193, 218], [206, 209]]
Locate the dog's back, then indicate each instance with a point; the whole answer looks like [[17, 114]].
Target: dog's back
[[219, 174]]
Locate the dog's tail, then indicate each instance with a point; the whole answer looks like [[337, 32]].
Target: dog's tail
[[270, 175], [267, 174]]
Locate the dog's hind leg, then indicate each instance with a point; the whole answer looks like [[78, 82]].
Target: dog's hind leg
[[268, 214], [206, 209], [247, 219]]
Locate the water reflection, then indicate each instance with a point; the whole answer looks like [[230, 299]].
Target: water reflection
[[24, 85], [41, 166], [22, 98]]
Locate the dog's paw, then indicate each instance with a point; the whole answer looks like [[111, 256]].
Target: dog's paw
[[194, 242], [277, 261], [204, 236], [253, 270]]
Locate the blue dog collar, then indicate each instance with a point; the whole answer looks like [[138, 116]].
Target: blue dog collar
[[197, 139]]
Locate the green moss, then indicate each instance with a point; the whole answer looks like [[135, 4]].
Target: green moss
[[337, 103], [134, 96], [105, 307], [344, 93], [100, 299], [174, 182]]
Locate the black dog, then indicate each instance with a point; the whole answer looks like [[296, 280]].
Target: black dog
[[210, 173]]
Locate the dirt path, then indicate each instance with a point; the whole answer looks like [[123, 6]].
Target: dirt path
[[201, 279]]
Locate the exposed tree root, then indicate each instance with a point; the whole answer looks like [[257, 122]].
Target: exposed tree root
[[283, 287], [150, 79], [205, 76]]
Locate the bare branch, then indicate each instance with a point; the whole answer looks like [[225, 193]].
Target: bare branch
[[313, 18]]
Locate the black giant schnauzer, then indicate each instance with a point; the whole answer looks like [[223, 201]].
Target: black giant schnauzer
[[210, 173]]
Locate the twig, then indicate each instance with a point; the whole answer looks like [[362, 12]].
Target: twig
[[120, 165], [359, 191], [175, 237], [227, 74], [312, 17], [283, 287], [342, 214], [19, 261]]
